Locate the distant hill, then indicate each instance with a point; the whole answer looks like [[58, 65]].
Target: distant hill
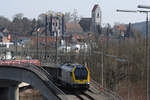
[[140, 26]]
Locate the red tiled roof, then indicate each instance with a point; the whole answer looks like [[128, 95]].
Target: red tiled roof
[[71, 27], [79, 37], [41, 39], [120, 27]]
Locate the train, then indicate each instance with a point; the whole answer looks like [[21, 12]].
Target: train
[[74, 75]]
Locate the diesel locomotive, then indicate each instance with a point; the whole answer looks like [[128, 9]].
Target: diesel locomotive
[[74, 75]]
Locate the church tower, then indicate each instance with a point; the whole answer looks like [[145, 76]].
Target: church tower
[[96, 18]]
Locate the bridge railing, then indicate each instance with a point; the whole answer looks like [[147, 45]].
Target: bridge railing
[[53, 87]]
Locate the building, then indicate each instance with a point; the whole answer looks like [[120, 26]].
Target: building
[[73, 28], [120, 30], [41, 40], [85, 23], [5, 37], [93, 23], [56, 25], [5, 40], [96, 18]]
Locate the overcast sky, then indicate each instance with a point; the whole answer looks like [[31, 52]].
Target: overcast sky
[[32, 8]]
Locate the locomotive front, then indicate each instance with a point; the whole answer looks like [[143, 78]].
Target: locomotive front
[[80, 76]]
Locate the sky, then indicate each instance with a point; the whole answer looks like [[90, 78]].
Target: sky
[[32, 8]]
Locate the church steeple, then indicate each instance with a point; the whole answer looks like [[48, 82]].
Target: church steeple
[[96, 18]]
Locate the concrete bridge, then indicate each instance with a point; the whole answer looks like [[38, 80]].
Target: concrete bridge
[[12, 75]]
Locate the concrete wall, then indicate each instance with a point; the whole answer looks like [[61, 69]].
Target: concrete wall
[[23, 75]]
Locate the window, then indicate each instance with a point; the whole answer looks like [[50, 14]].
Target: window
[[81, 73], [1, 39], [97, 15]]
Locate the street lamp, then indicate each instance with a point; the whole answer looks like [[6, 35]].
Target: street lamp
[[147, 46], [144, 6], [132, 11]]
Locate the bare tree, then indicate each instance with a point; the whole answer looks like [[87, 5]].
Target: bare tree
[[19, 15]]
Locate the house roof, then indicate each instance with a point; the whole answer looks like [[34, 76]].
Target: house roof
[[42, 39], [79, 37], [86, 19], [85, 24], [72, 27], [120, 27], [3, 29]]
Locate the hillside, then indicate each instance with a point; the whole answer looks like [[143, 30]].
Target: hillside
[[140, 26]]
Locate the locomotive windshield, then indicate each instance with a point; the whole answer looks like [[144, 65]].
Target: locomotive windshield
[[81, 73]]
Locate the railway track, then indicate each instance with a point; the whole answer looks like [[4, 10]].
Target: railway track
[[91, 94], [84, 95]]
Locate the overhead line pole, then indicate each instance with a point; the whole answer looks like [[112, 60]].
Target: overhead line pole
[[147, 44], [102, 65], [147, 59], [37, 43], [147, 49], [46, 36]]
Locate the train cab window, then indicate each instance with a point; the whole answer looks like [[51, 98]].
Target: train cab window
[[81, 73]]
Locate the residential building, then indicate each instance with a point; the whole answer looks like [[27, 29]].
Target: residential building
[[120, 30], [5, 39], [56, 24]]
